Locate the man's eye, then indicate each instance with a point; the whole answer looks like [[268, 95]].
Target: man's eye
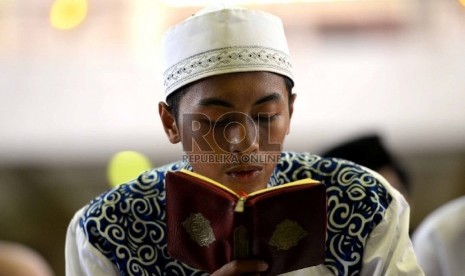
[[221, 123], [265, 118], [205, 122]]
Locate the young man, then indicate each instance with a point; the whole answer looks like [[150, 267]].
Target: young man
[[228, 92]]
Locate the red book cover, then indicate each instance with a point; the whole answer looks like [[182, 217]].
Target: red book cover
[[210, 225]]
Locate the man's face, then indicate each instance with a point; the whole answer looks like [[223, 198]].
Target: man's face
[[232, 127]]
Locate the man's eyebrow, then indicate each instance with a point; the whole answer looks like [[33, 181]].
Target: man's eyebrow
[[215, 101], [269, 98], [223, 103]]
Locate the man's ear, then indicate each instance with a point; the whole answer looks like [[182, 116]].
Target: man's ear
[[169, 123], [291, 110]]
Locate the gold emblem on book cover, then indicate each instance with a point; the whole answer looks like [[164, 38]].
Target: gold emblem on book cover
[[287, 234], [199, 229]]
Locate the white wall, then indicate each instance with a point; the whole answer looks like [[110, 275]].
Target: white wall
[[84, 94]]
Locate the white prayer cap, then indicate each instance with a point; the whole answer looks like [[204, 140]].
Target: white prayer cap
[[224, 40]]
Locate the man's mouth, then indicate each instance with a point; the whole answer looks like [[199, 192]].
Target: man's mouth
[[244, 173]]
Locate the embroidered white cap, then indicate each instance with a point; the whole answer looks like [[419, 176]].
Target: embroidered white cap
[[224, 40]]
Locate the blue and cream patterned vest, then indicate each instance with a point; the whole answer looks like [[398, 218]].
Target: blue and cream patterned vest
[[127, 224]]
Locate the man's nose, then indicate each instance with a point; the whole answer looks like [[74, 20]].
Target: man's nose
[[242, 136]]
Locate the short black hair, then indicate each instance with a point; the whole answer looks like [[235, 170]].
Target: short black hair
[[174, 99]]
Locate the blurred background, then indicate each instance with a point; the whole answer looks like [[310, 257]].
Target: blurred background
[[80, 80]]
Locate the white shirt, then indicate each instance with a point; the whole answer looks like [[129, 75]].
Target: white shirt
[[439, 241]]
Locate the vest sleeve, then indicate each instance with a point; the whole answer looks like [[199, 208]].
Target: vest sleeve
[[389, 250], [83, 259]]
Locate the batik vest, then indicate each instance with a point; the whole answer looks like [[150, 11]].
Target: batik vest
[[127, 224]]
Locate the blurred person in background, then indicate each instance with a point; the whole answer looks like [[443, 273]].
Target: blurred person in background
[[20, 260], [439, 241], [371, 152]]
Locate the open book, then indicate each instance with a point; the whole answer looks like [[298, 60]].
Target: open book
[[210, 225]]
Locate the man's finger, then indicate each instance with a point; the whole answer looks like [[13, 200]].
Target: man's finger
[[237, 267]]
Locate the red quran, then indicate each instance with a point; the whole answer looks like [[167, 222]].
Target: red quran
[[210, 225]]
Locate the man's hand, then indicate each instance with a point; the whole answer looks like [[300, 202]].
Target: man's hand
[[236, 268]]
